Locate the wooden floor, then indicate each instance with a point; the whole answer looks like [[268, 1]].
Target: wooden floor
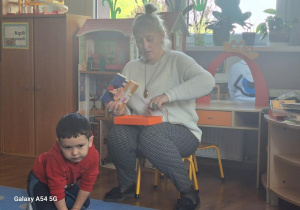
[[237, 192]]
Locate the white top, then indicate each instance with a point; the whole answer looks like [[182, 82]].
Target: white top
[[240, 83], [177, 75]]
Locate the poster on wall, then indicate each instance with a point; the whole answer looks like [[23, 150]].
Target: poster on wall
[[15, 35]]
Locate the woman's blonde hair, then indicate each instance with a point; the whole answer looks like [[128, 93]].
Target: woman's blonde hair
[[151, 19]]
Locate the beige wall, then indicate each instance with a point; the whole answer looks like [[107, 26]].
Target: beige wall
[[288, 9], [81, 7], [88, 8]]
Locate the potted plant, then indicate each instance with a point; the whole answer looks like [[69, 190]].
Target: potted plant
[[198, 15], [274, 26], [223, 26], [249, 37]]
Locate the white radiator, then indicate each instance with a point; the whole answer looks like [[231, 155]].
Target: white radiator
[[229, 141]]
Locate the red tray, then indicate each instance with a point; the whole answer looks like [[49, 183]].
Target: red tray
[[138, 120]]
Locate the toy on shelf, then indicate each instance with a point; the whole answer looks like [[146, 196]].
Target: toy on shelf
[[41, 7]]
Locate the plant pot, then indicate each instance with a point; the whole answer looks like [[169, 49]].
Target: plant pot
[[249, 38], [220, 35], [280, 36], [199, 39]]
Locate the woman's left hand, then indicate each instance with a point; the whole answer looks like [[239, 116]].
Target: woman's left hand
[[158, 101]]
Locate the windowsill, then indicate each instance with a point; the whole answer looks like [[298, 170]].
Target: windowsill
[[255, 48], [259, 46]]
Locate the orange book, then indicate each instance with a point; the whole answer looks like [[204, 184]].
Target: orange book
[[137, 120], [277, 104]]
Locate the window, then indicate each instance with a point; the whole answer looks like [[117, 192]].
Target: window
[[256, 7]]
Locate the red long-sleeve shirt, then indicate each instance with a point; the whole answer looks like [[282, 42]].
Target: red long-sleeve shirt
[[58, 173]]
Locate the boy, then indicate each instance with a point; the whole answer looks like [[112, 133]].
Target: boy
[[52, 182]]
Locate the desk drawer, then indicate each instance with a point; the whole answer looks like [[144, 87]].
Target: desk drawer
[[214, 118]]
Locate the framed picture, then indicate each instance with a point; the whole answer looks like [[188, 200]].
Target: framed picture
[[15, 35]]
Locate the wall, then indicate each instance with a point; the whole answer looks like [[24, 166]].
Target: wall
[[288, 9], [81, 7]]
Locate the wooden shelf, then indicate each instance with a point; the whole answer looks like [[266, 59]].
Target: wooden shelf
[[32, 15], [289, 194], [290, 159], [255, 48], [99, 72], [283, 160]]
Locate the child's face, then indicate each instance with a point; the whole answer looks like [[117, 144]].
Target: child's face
[[75, 149]]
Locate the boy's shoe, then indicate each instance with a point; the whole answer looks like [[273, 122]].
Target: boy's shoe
[[187, 204], [115, 194]]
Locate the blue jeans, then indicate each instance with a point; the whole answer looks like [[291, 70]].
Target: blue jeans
[[39, 191]]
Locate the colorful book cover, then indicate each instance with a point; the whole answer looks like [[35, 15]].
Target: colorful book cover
[[277, 104], [119, 89]]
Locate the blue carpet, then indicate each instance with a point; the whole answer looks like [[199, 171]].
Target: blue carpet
[[8, 195]]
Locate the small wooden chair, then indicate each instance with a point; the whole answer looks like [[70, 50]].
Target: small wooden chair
[[204, 145], [192, 174]]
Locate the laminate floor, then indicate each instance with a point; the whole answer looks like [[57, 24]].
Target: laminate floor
[[237, 192]]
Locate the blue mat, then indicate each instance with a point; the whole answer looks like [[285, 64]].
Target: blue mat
[[8, 197]]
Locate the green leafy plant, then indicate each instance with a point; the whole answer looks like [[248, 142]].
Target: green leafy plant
[[199, 6], [224, 23], [231, 14], [113, 9], [144, 1], [220, 23], [273, 23]]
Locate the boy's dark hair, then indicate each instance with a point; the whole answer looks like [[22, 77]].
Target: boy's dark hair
[[73, 125]]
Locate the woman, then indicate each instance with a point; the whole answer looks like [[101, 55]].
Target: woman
[[169, 82]]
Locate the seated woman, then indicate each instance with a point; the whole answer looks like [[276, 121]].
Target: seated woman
[[169, 82]]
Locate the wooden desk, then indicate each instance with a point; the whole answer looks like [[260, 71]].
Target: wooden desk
[[283, 172], [236, 115]]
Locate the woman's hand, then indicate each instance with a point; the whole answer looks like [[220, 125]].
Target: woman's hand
[[158, 101], [115, 108]]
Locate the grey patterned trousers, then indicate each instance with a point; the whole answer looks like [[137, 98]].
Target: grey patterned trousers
[[162, 144]]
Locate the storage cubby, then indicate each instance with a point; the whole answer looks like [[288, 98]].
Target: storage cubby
[[246, 120]]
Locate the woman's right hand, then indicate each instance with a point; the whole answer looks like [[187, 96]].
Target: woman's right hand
[[115, 108]]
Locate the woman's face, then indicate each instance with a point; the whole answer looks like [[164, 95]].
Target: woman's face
[[150, 44]]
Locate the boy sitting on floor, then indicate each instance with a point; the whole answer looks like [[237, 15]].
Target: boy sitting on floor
[[52, 182]]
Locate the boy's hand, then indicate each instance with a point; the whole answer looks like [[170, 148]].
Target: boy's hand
[[80, 199], [60, 205]]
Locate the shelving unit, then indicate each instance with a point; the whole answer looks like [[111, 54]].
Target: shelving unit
[[98, 72], [106, 45], [283, 161]]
